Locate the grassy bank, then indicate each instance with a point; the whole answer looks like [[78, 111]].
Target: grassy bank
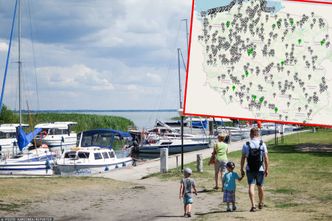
[[299, 186]]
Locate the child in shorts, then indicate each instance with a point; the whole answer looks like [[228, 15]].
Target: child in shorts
[[187, 187], [229, 186]]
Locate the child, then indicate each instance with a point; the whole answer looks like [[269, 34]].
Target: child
[[229, 185], [187, 187]]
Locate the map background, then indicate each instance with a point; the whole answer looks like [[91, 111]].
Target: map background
[[202, 100]]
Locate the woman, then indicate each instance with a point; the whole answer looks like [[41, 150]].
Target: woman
[[220, 151]]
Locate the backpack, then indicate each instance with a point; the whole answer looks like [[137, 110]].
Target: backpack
[[255, 158]]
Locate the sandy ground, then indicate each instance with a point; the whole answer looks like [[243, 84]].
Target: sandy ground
[[149, 199]]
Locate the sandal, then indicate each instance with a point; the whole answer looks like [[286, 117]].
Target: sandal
[[253, 209], [189, 214], [260, 205]]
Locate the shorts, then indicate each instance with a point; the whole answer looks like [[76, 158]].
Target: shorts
[[220, 165], [187, 200], [229, 196], [255, 178]]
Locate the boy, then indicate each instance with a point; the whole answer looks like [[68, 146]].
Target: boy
[[186, 188], [229, 186]]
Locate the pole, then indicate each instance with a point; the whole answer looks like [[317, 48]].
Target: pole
[[187, 34], [182, 142], [19, 62], [275, 134], [179, 73]]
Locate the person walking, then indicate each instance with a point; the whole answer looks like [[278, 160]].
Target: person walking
[[229, 186], [220, 153], [187, 187], [256, 155]]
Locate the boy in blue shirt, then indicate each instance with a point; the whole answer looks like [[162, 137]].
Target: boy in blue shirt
[[229, 186]]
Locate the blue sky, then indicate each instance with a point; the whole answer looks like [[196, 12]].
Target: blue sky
[[95, 54]]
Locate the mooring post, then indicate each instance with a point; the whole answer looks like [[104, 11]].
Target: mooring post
[[177, 161], [199, 163], [163, 160]]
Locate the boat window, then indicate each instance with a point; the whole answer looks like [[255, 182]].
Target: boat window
[[111, 154], [4, 135], [70, 154], [105, 155], [83, 155], [98, 156], [166, 143], [86, 141]]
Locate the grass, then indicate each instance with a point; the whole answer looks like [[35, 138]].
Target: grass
[[299, 182]]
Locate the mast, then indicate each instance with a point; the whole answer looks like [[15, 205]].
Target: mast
[[19, 62], [179, 72]]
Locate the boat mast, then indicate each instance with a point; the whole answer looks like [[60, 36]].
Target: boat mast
[[19, 62], [179, 72]]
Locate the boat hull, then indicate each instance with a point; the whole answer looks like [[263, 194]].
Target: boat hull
[[172, 149], [26, 168], [88, 169]]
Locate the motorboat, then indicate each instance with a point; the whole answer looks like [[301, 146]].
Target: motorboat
[[57, 135], [94, 153], [37, 161], [90, 160], [174, 146]]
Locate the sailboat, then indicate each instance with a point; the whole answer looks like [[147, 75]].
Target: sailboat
[[38, 161]]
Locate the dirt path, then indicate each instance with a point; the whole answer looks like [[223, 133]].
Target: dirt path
[[148, 199]]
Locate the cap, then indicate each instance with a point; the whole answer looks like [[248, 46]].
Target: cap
[[187, 171]]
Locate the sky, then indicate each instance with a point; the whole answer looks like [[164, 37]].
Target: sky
[[95, 54]]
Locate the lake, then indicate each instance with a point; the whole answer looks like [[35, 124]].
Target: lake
[[142, 119]]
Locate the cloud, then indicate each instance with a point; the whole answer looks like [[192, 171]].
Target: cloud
[[76, 77], [98, 54], [3, 47]]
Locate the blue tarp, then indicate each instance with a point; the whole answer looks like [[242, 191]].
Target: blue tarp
[[115, 132], [24, 139], [199, 124]]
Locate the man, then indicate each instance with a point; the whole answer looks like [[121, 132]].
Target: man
[[255, 153]]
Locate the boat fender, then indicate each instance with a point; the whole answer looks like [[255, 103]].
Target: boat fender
[[47, 164], [106, 168]]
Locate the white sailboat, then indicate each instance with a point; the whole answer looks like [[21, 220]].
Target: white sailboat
[[28, 162]]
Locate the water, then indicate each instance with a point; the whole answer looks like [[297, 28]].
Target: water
[[142, 119]]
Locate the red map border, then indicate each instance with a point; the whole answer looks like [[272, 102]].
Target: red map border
[[237, 118]]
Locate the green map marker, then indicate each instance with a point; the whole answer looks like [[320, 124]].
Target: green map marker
[[299, 41], [247, 73], [261, 99], [291, 21], [228, 23], [233, 87], [322, 42], [282, 62], [250, 51], [273, 26], [254, 97], [276, 110]]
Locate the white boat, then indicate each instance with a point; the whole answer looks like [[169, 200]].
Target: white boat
[[39, 161], [94, 153], [56, 135], [235, 133], [91, 160], [174, 146], [8, 138]]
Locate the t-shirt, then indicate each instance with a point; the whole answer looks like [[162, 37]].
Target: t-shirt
[[188, 184], [230, 181], [254, 143], [221, 151]]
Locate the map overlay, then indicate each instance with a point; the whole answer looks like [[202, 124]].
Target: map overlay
[[261, 60]]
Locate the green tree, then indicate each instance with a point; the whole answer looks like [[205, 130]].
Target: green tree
[[8, 116]]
